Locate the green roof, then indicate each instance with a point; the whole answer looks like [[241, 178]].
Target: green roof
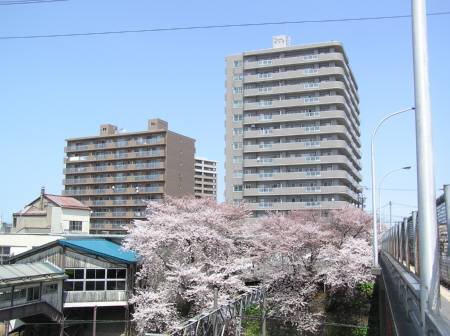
[[101, 247], [39, 271]]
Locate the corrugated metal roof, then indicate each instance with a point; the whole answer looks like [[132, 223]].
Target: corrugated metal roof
[[31, 271], [101, 247]]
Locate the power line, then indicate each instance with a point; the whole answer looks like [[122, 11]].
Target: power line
[[237, 25], [26, 2], [405, 205]]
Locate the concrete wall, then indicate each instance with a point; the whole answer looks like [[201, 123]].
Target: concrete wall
[[180, 163]]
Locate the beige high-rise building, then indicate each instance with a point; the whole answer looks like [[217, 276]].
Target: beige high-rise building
[[115, 173], [205, 178], [292, 128]]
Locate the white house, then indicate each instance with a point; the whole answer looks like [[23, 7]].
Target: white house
[[52, 214]]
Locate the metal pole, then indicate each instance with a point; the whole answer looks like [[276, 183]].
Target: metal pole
[[390, 214], [374, 205], [94, 322], [447, 210], [263, 314], [405, 232], [429, 260], [416, 243]]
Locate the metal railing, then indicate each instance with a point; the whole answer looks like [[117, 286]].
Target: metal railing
[[213, 322], [400, 264]]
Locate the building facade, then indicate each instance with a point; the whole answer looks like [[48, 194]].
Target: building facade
[[52, 214], [292, 128], [115, 173], [205, 178]]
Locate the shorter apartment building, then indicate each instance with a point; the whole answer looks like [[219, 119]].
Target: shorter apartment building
[[116, 173], [205, 178], [52, 214]]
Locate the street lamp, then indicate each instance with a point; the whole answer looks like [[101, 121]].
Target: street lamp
[[379, 189], [374, 206]]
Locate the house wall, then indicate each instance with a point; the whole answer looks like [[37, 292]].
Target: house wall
[[61, 217]]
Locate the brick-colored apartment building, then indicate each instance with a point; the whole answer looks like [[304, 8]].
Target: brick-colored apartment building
[[114, 173]]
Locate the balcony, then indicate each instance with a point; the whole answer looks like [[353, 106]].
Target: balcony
[[117, 214], [113, 168], [295, 161], [115, 156], [108, 203], [304, 116], [314, 190], [303, 88], [290, 206], [302, 102], [113, 145], [303, 59], [113, 179], [115, 191]]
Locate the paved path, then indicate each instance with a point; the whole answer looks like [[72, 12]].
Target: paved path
[[445, 303]]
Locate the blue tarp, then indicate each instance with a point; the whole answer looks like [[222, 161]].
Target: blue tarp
[[101, 247]]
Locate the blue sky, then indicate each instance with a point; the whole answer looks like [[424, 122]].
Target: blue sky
[[52, 89]]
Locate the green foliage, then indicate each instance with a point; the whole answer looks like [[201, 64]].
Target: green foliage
[[251, 326], [362, 331], [366, 288]]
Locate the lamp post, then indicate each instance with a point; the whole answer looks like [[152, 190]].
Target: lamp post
[[374, 205], [379, 189]]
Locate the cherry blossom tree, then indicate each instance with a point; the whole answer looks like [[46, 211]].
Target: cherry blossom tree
[[189, 246]]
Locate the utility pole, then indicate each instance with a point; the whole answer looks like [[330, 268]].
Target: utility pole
[[428, 252]]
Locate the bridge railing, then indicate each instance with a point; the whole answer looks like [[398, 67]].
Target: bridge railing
[[215, 321], [401, 270]]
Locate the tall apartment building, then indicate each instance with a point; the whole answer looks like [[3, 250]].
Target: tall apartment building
[[292, 128], [205, 178], [115, 173]]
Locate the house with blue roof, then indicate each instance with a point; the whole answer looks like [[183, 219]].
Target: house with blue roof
[[100, 278]]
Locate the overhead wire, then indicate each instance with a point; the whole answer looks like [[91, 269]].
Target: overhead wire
[[26, 2], [222, 26]]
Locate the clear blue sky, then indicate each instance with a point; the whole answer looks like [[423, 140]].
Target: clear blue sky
[[52, 89]]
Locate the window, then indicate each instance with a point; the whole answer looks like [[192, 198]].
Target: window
[[75, 226], [237, 63], [238, 117], [237, 145], [73, 285], [33, 293], [95, 285], [237, 103], [49, 289], [237, 131], [238, 89], [237, 159], [5, 252], [265, 75], [238, 77], [95, 274], [118, 273], [237, 187], [265, 62], [75, 273], [115, 285], [309, 71], [237, 173]]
